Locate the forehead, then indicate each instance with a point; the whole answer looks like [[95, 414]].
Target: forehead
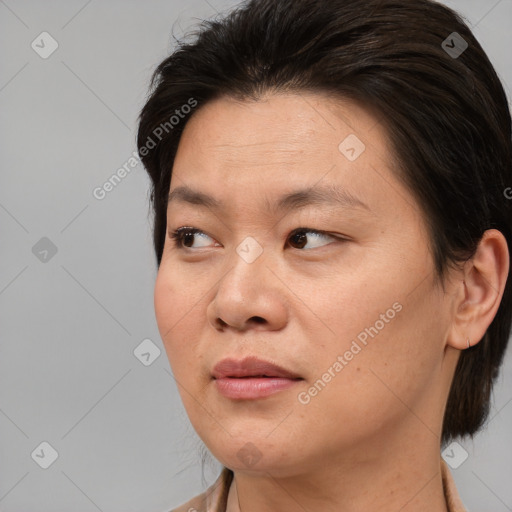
[[285, 125], [281, 144]]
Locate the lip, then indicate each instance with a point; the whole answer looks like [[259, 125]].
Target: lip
[[250, 367], [251, 378]]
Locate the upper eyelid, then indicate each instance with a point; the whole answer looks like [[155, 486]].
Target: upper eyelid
[[200, 231]]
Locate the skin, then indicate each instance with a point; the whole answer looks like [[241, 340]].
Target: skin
[[370, 439]]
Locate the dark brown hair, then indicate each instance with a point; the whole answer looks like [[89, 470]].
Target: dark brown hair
[[442, 104]]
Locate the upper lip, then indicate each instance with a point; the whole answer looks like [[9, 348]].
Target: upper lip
[[250, 367]]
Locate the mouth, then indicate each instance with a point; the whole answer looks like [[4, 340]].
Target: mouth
[[250, 367], [251, 378]]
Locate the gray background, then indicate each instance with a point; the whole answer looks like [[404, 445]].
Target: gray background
[[70, 323]]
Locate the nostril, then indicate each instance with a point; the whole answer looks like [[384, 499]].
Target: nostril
[[221, 323]]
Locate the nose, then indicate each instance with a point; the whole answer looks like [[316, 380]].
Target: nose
[[249, 296]]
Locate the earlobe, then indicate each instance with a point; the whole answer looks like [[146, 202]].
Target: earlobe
[[480, 291]]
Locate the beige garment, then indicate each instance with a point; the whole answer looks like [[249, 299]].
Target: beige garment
[[214, 499]]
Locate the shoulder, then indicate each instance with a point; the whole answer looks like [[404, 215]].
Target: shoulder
[[213, 499]]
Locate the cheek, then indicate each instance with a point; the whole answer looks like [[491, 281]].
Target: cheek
[[347, 305], [177, 300], [382, 325], [165, 301], [174, 309]]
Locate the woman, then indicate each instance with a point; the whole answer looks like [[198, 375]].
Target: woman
[[332, 230]]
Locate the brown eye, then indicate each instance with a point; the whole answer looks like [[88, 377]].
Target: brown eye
[[300, 237], [184, 237]]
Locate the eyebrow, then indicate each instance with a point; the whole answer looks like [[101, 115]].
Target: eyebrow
[[325, 195]]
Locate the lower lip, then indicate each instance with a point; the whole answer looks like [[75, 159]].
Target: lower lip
[[252, 387]]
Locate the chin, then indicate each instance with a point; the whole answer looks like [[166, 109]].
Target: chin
[[257, 455]]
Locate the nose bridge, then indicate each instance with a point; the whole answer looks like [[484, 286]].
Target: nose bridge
[[248, 291], [247, 266], [250, 250]]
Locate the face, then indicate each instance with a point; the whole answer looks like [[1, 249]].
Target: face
[[338, 289]]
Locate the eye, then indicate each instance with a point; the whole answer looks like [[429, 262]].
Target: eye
[[183, 237], [299, 236]]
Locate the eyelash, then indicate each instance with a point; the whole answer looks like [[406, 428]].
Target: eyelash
[[178, 235]]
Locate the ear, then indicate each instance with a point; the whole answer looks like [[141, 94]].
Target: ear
[[479, 290]]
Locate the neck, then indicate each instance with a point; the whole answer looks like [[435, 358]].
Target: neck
[[407, 478]]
